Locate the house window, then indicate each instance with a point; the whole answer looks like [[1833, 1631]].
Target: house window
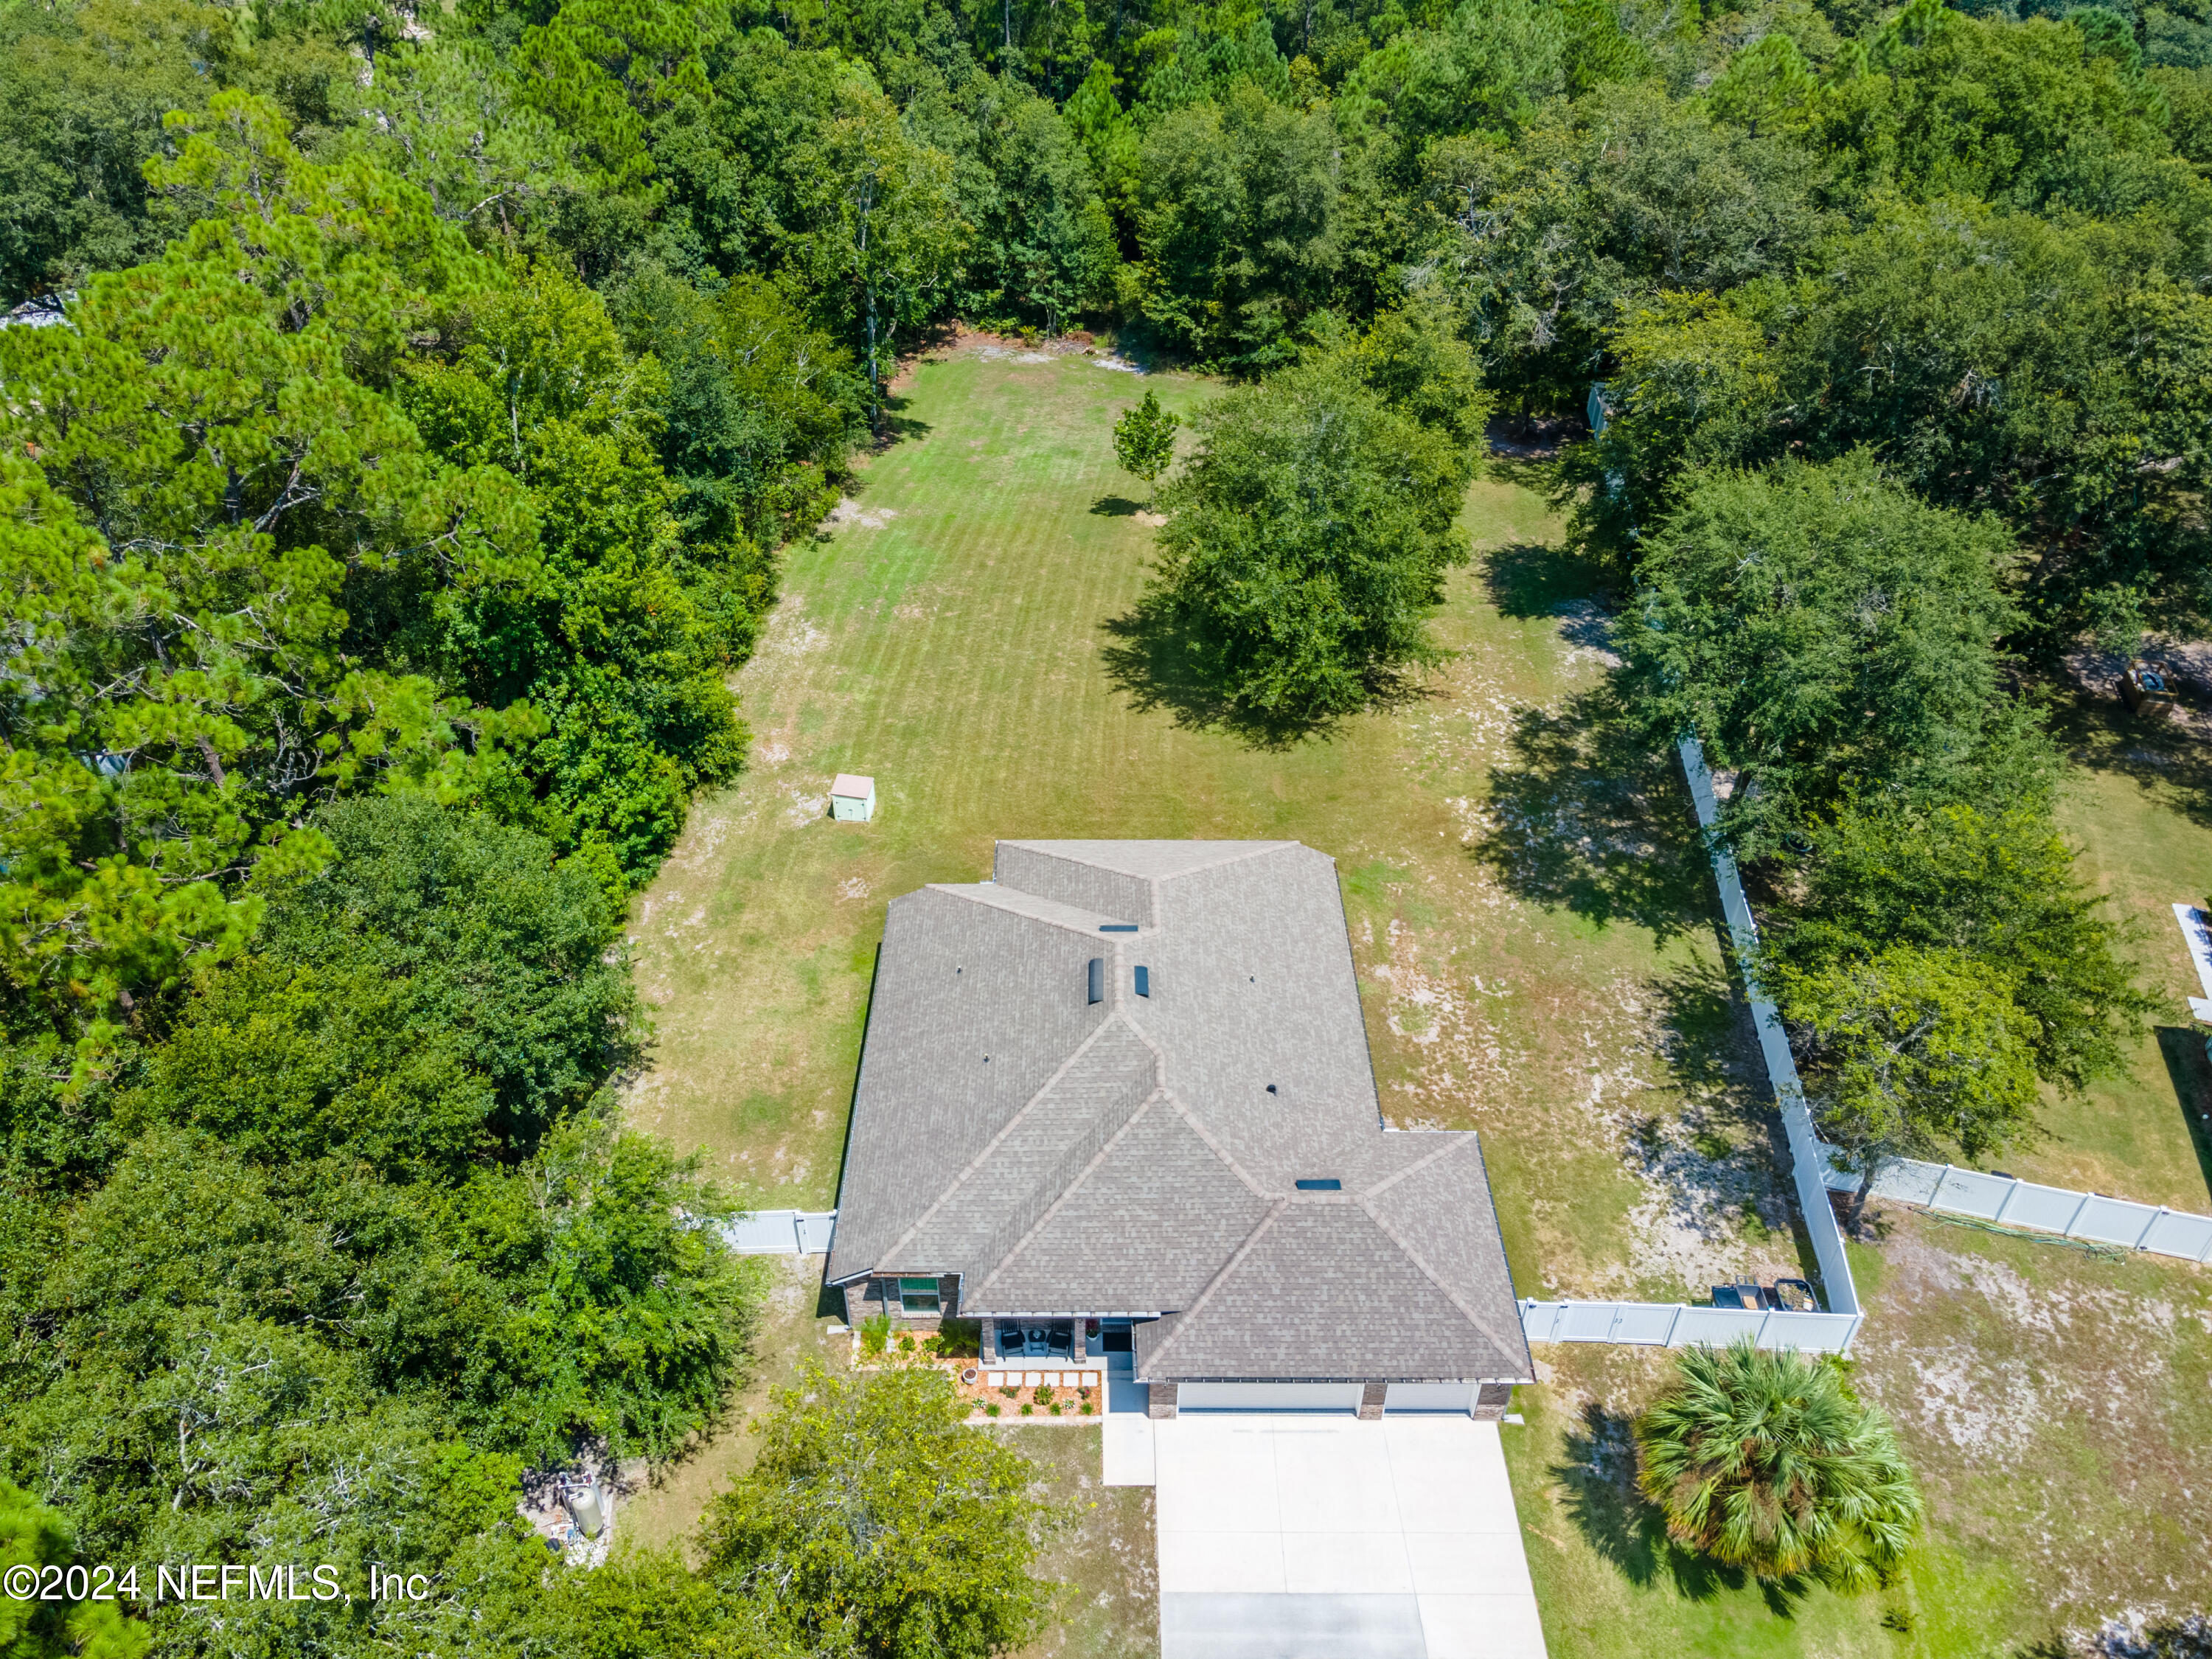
[[918, 1296]]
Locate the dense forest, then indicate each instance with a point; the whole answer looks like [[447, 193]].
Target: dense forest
[[404, 409]]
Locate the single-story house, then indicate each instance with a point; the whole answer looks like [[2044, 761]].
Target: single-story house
[[1117, 1101]]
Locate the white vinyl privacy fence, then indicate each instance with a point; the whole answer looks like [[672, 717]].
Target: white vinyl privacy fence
[[1815, 1167], [1673, 1324], [1678, 1325], [2017, 1203], [781, 1232]]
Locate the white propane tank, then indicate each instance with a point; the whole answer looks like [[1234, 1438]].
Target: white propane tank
[[584, 1504]]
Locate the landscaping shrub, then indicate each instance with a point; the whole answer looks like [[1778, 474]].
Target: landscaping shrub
[[1767, 1460]]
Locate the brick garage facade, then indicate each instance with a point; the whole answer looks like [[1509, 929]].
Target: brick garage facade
[[877, 1299]]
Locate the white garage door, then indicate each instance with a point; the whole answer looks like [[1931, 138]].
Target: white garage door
[[1429, 1397], [1268, 1397]]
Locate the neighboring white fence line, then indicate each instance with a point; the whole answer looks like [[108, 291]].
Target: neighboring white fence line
[[2018, 1203], [1808, 1158], [1680, 1325], [781, 1232], [1674, 1325]]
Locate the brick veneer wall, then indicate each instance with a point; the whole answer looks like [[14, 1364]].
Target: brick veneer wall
[[870, 1297]]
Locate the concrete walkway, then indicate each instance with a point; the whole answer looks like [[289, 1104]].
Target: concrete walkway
[[1287, 1537]]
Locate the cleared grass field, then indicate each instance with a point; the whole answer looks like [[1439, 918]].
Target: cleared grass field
[[1535, 937]]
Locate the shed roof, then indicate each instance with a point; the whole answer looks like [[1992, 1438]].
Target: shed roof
[[1140, 1154], [851, 785]]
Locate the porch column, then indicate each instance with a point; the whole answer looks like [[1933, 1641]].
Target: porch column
[[1491, 1400], [1371, 1396], [1160, 1399]]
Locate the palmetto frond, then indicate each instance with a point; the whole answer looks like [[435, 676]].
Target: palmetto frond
[[1767, 1460]]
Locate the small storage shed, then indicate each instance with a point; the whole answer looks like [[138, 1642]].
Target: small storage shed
[[852, 797]]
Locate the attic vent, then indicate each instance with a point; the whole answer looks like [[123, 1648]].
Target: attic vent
[[1329, 1184], [1144, 981], [1117, 926], [1098, 979]]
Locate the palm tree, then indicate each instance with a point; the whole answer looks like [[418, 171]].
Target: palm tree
[[1768, 1462]]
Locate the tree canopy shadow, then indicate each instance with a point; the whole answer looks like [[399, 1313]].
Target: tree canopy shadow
[[1723, 1155], [1584, 818], [893, 425], [1538, 578], [1162, 657], [1706, 1031], [1617, 1521], [1116, 507], [2097, 731], [2131, 1636], [2187, 1068]]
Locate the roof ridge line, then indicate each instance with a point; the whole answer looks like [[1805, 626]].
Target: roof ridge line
[[1020, 1114], [969, 890], [1421, 1163], [1068, 1191], [1236, 1258], [1429, 1273]]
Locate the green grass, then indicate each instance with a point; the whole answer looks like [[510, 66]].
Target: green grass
[[2058, 1408], [1103, 1563], [1534, 934], [2139, 805], [2053, 1406]]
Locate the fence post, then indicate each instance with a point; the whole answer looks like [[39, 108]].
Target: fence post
[[1764, 1319], [2077, 1216], [2148, 1224], [2007, 1203], [1676, 1323], [798, 1233], [1938, 1193]]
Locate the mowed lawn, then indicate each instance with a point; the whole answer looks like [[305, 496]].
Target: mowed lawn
[[2138, 802], [1533, 929]]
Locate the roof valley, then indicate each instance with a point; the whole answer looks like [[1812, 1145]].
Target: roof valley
[[1228, 1269], [1004, 1259]]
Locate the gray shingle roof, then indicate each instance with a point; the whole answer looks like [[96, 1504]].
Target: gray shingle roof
[[1128, 1155]]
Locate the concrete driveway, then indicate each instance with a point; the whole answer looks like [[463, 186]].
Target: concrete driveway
[[1285, 1537]]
